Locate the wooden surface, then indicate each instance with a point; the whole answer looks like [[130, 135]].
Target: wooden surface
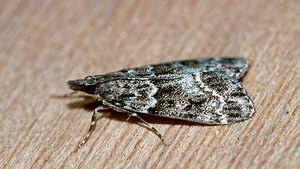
[[45, 43]]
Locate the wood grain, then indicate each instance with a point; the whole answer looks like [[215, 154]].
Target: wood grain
[[45, 43]]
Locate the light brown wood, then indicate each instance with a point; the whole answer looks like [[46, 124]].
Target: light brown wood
[[45, 43]]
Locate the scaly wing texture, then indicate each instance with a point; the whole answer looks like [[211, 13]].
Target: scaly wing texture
[[233, 67], [205, 97]]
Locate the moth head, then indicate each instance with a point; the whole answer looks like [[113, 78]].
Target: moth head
[[84, 85]]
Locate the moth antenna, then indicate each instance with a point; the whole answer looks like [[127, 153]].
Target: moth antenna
[[152, 127], [64, 95], [69, 94]]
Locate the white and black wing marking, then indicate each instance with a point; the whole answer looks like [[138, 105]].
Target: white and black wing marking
[[204, 90], [232, 67]]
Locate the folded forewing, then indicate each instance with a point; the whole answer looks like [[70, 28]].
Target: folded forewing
[[205, 97]]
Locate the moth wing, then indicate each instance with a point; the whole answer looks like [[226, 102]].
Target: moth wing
[[233, 67], [204, 97]]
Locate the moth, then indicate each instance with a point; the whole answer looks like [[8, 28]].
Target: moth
[[206, 91]]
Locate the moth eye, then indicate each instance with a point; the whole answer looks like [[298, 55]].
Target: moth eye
[[89, 80], [90, 89]]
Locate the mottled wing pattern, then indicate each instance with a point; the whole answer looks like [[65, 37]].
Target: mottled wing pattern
[[205, 97], [202, 90], [233, 67]]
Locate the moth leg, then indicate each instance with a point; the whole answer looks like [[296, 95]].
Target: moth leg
[[150, 126], [130, 115], [93, 121], [134, 114]]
